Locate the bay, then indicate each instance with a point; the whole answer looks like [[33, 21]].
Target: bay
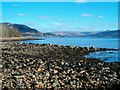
[[86, 42], [82, 41]]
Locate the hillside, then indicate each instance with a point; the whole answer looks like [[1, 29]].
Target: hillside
[[106, 34], [16, 30], [7, 30], [68, 33], [25, 30], [111, 34], [71, 33]]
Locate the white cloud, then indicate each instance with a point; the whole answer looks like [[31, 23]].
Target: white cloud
[[21, 14], [100, 16], [51, 18], [58, 24], [80, 1], [86, 15], [15, 5], [44, 17]]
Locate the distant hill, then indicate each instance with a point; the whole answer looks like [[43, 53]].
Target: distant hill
[[71, 33], [68, 33], [17, 30], [25, 30], [50, 35], [106, 34], [7, 30], [113, 34]]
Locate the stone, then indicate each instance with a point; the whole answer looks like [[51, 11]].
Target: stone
[[55, 71], [47, 74], [40, 69], [47, 66], [62, 63]]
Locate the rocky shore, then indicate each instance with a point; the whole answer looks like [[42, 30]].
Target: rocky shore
[[8, 39], [45, 66]]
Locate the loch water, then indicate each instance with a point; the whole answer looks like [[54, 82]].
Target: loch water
[[107, 56]]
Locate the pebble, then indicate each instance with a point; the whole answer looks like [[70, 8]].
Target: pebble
[[48, 66]]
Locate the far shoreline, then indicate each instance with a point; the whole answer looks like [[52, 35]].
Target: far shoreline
[[7, 39]]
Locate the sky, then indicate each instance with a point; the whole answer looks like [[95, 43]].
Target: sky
[[62, 16], [60, 0]]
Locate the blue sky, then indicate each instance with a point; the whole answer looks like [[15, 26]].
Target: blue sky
[[60, 0], [62, 16]]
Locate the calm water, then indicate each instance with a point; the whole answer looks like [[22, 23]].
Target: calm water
[[107, 56], [86, 42], [96, 42]]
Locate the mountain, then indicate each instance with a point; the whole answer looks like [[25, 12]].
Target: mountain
[[113, 33], [25, 30], [68, 33], [50, 35], [7, 30], [106, 34], [71, 33], [17, 30]]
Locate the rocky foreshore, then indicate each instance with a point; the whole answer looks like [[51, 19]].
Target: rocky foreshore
[[9, 39], [54, 67]]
